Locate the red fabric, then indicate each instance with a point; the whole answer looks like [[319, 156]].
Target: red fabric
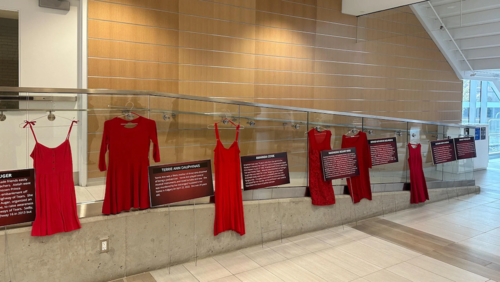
[[55, 190], [321, 191], [359, 186], [418, 185], [127, 177], [228, 200]]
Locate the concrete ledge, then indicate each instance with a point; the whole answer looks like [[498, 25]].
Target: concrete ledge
[[146, 240]]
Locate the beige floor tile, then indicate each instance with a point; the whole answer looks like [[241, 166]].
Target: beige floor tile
[[324, 268], [459, 229], [258, 275], [390, 248], [263, 256], [348, 262], [236, 262], [177, 273], [446, 270], [207, 270], [440, 232], [352, 233], [492, 238], [384, 276], [227, 279], [416, 274], [335, 239], [311, 244], [360, 280], [143, 277], [290, 272], [287, 249], [482, 245], [371, 255]]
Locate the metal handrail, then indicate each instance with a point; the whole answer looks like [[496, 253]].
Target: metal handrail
[[205, 99]]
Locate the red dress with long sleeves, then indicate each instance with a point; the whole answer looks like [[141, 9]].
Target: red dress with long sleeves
[[359, 186], [418, 184], [321, 191], [127, 177], [55, 190], [228, 201]]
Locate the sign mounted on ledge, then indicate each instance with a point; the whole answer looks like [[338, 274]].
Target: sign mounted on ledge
[[443, 151], [173, 183], [17, 197], [383, 151], [261, 171], [341, 163], [465, 148]]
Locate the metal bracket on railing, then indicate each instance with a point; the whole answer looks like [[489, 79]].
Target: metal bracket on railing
[[167, 116], [399, 133], [251, 122]]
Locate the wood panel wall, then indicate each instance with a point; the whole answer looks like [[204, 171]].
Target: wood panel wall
[[303, 53]]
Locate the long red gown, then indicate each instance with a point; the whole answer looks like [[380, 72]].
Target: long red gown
[[55, 190], [418, 184], [360, 186], [321, 191], [228, 200], [127, 178]]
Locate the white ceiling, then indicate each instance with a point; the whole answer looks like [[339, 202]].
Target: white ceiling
[[362, 7], [474, 26]]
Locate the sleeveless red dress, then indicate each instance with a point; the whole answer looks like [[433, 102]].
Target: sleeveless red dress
[[127, 182], [359, 186], [228, 200], [321, 191], [418, 185], [55, 190]]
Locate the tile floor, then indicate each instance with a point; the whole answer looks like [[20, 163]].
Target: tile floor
[[453, 240]]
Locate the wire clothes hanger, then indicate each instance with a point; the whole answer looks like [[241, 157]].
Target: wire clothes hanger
[[51, 117], [352, 131], [128, 114], [225, 120]]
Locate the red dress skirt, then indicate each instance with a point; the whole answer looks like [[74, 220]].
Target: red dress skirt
[[418, 184], [359, 186], [321, 191], [228, 200], [55, 190]]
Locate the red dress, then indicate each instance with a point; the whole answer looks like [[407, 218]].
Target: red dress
[[418, 184], [321, 191], [228, 200], [55, 189], [359, 186], [127, 177]]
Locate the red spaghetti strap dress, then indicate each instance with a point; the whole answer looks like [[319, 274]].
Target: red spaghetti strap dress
[[55, 190], [418, 184], [321, 191], [127, 178], [359, 186], [228, 200]]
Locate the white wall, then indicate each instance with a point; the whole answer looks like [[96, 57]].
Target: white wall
[[48, 53], [48, 44]]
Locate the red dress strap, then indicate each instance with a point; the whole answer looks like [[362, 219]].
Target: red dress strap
[[31, 123], [71, 127], [217, 132], [237, 132]]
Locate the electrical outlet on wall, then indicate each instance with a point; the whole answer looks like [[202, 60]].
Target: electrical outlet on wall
[[104, 245]]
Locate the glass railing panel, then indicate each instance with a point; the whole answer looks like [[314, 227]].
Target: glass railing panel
[[380, 129], [459, 169], [270, 130], [424, 134]]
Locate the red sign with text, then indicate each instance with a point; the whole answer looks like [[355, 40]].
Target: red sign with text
[[443, 151], [17, 197], [383, 151], [173, 183], [342, 163], [465, 148], [261, 171]]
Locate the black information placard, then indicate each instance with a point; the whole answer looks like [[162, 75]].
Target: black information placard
[[443, 151], [267, 170], [465, 148], [178, 182], [340, 163], [17, 196], [383, 151]]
